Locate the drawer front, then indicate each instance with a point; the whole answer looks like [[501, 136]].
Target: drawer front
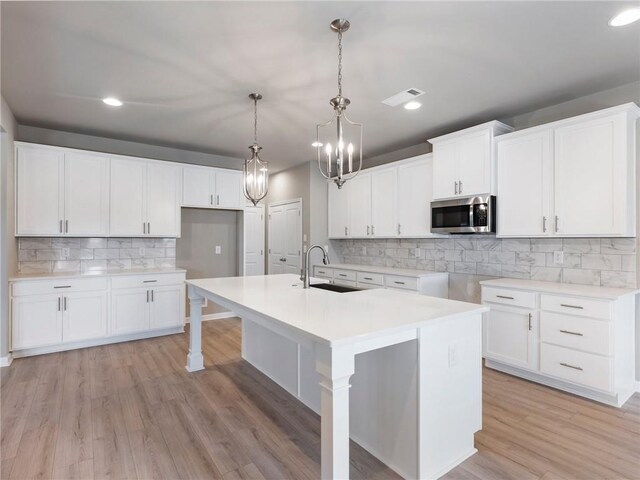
[[405, 283], [322, 272], [345, 283], [581, 368], [504, 296], [584, 307], [585, 334], [370, 278], [344, 275], [39, 287], [131, 281], [367, 286]]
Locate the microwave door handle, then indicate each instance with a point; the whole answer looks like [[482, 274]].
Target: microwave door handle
[[471, 224]]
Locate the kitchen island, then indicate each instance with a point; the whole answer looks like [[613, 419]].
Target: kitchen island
[[416, 400]]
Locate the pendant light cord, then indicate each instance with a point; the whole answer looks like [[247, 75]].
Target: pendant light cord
[[340, 63], [255, 121]]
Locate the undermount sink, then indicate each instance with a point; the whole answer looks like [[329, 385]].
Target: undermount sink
[[334, 288]]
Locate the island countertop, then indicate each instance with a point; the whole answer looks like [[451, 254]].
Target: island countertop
[[330, 317]]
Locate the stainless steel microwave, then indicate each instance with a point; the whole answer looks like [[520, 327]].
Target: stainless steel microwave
[[464, 215]]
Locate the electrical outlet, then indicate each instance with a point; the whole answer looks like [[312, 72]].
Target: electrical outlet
[[141, 251], [558, 257], [65, 253], [218, 249], [453, 355]]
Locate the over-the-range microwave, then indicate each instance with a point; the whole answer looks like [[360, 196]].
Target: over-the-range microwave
[[464, 215]]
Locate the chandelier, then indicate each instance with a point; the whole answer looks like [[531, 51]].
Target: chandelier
[[256, 171], [339, 141]]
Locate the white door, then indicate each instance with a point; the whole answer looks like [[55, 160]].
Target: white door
[[474, 164], [37, 321], [589, 168], [129, 310], [86, 194], [524, 185], [509, 336], [229, 189], [285, 240], [40, 196], [84, 316], [415, 188], [196, 188], [166, 307], [360, 206], [384, 198], [163, 210], [445, 171], [338, 210], [128, 197], [277, 225], [254, 240]]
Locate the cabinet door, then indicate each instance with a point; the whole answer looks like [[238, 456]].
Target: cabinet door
[[360, 206], [127, 198], [384, 198], [414, 198], [163, 203], [86, 194], [167, 307], [509, 336], [474, 164], [229, 189], [445, 171], [338, 210], [129, 311], [36, 321], [196, 188], [84, 316], [524, 185], [39, 196], [590, 177]]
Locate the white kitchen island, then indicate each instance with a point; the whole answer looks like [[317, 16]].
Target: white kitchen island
[[416, 400]]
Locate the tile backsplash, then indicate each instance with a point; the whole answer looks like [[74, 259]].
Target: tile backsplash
[[45, 255], [607, 262]]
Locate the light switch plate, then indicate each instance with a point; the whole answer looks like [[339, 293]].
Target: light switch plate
[[558, 257], [218, 249]]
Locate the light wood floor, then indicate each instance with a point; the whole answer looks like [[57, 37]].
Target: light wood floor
[[131, 411]]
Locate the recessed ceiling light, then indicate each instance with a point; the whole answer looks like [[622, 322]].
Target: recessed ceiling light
[[412, 105], [112, 102], [626, 17], [316, 144]]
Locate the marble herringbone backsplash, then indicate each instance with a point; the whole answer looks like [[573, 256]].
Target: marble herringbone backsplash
[[607, 262], [45, 255]]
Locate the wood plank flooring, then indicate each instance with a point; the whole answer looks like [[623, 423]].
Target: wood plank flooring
[[131, 411]]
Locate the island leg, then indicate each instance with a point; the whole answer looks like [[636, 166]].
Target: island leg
[[195, 360], [335, 366]]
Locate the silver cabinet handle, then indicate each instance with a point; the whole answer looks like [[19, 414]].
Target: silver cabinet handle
[[342, 274], [556, 224], [570, 366], [460, 187], [144, 227], [148, 227], [455, 187], [345, 231], [217, 199], [530, 318], [368, 228], [65, 303], [152, 295], [59, 299], [60, 227], [398, 283], [399, 230], [504, 296], [149, 281], [572, 306], [572, 333], [62, 286], [66, 226], [544, 224], [211, 199], [373, 229], [147, 296], [284, 259], [367, 278]]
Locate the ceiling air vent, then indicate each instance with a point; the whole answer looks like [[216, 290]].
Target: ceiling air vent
[[402, 97]]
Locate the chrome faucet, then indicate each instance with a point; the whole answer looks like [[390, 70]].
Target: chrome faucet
[[304, 273]]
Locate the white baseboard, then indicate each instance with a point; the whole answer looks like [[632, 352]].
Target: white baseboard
[[214, 316], [6, 361]]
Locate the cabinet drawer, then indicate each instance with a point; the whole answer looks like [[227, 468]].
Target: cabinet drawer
[[370, 278], [39, 287], [584, 307], [129, 281], [322, 272], [345, 283], [514, 298], [396, 281], [592, 336], [344, 275], [578, 367]]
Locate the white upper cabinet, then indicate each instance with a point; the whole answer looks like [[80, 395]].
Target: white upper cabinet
[[163, 199], [208, 187], [360, 206], [464, 161], [197, 186], [229, 192], [414, 197], [338, 217], [384, 202], [575, 177]]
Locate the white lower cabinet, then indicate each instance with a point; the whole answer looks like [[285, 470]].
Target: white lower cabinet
[[509, 336], [166, 307], [129, 311], [84, 316], [37, 321]]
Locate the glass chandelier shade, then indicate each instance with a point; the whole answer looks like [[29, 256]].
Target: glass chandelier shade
[[339, 141], [255, 170]]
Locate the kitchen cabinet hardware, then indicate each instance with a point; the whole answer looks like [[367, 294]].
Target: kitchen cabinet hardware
[[568, 332], [144, 227], [568, 365], [556, 225], [455, 188], [66, 226], [60, 226], [399, 229], [211, 199], [342, 274], [373, 229], [217, 199], [152, 295], [368, 228], [62, 286], [398, 283], [148, 227], [572, 306], [504, 296], [147, 296], [368, 278], [149, 281], [59, 300], [544, 224], [460, 187], [64, 303], [530, 319]]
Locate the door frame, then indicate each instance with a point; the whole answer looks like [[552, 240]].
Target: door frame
[[268, 232]]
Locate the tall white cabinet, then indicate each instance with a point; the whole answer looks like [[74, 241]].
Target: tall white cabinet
[[208, 187]]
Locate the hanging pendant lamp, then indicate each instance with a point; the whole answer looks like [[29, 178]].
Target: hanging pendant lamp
[[256, 170]]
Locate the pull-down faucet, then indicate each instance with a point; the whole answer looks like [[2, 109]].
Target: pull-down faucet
[[304, 273]]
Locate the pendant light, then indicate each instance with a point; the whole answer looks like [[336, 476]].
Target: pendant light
[[256, 171], [339, 141]]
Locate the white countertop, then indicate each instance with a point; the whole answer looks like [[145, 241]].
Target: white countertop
[[331, 317], [404, 272], [101, 273], [561, 288]]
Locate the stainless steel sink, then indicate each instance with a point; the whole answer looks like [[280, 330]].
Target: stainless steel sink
[[334, 288]]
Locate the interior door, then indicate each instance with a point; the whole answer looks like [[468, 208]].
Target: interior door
[[37, 321], [360, 206], [338, 210], [40, 195], [86, 194], [129, 310], [509, 336], [254, 240], [445, 171], [524, 185], [196, 189], [128, 197], [384, 198], [166, 309], [163, 211], [474, 164], [415, 189], [229, 189], [277, 225], [285, 240], [84, 316]]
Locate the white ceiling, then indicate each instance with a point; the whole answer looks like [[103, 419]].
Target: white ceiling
[[185, 69]]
